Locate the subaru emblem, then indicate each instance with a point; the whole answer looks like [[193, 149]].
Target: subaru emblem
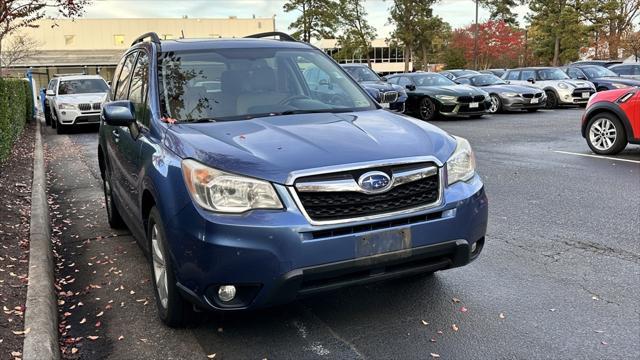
[[374, 182]]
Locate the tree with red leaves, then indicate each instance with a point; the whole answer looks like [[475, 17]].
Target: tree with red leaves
[[499, 44], [17, 14]]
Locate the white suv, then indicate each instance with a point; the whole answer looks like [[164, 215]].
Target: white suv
[[558, 86], [76, 100]]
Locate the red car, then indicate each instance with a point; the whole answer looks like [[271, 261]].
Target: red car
[[612, 120]]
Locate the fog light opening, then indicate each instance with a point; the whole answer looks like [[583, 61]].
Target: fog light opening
[[474, 247], [226, 293]]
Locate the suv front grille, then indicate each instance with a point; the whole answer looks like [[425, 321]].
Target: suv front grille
[[97, 106], [84, 107], [345, 205], [389, 97]]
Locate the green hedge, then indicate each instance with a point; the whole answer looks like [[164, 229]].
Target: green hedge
[[16, 106]]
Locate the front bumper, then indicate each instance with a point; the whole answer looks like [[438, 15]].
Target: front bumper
[[464, 109], [274, 257], [518, 103], [573, 96], [77, 117]]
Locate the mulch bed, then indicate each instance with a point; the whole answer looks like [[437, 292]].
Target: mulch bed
[[15, 213]]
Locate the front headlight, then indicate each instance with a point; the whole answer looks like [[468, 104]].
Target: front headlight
[[220, 191], [620, 86], [446, 98], [461, 166], [563, 85], [65, 106], [509, 94]]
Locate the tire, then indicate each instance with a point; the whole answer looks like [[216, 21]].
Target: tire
[[552, 99], [476, 116], [60, 129], [113, 215], [54, 121], [47, 116], [496, 104], [605, 134], [532, 110], [173, 310], [427, 110]]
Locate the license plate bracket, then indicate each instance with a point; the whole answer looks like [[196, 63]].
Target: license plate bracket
[[383, 242]]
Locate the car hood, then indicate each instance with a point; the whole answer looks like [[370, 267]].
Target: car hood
[[520, 89], [453, 90], [272, 148], [82, 98], [378, 85], [619, 80]]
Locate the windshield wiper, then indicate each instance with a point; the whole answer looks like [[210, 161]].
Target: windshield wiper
[[203, 120], [317, 111]]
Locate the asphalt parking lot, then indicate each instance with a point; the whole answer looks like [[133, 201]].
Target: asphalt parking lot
[[559, 277]]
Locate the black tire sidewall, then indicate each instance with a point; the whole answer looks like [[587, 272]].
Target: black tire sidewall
[[621, 135], [113, 216], [552, 99], [427, 101]]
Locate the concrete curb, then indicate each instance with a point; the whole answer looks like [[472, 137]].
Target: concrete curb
[[41, 314]]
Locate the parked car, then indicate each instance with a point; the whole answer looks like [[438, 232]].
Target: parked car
[[602, 78], [49, 94], [496, 72], [75, 100], [627, 70], [612, 120], [265, 192], [432, 95], [452, 74], [389, 96], [603, 63], [560, 89], [504, 96]]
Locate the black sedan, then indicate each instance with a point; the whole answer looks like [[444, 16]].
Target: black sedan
[[456, 73], [388, 95], [496, 72], [603, 78], [505, 96], [431, 95]]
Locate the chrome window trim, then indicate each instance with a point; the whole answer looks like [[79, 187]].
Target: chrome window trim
[[294, 175], [439, 201]]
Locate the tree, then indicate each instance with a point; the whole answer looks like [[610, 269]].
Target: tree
[[502, 10], [632, 44], [318, 18], [499, 44], [454, 58], [356, 33], [20, 48], [412, 20], [17, 14], [609, 21], [559, 31]]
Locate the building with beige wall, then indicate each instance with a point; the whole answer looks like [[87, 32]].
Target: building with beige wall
[[94, 46], [385, 58]]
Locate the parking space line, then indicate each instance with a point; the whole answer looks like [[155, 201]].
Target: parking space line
[[597, 156]]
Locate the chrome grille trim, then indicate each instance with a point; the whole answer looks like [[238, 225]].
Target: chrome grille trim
[[389, 97]]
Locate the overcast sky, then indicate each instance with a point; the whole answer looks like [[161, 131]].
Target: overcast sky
[[457, 12]]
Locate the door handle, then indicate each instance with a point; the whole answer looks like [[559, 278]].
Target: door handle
[[115, 135]]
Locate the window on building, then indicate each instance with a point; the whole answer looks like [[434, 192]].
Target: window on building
[[118, 39], [259, 24], [69, 39]]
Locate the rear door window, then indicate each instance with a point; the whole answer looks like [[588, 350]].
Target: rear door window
[[513, 75], [527, 74], [122, 85], [404, 81]]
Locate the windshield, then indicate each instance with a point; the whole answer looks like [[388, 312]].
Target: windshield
[[234, 84], [82, 86], [463, 72], [361, 73], [598, 71], [431, 80], [488, 79], [552, 74]]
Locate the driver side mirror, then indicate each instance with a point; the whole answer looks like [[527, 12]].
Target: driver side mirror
[[410, 87], [383, 78], [51, 93], [531, 80], [119, 113]]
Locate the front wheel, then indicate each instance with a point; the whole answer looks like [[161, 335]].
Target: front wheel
[[47, 116], [496, 104], [552, 99], [427, 109], [606, 135], [113, 215], [60, 129], [173, 310]]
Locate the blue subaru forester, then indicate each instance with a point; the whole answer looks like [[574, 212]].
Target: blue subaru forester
[[247, 188]]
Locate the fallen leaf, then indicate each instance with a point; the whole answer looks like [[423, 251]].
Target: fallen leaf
[[211, 356], [100, 314], [552, 310], [501, 316], [16, 353], [91, 337], [440, 332], [464, 309], [455, 300], [432, 340], [84, 320], [424, 322], [120, 337], [434, 355], [454, 327], [74, 350], [604, 343], [598, 331], [595, 298]]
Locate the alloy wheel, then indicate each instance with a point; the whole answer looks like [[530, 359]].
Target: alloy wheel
[[159, 267], [495, 104], [426, 109], [602, 134]]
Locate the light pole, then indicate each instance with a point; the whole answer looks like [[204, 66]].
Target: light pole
[[475, 41]]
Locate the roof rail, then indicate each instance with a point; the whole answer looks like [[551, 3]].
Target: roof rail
[[282, 36], [154, 38]]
